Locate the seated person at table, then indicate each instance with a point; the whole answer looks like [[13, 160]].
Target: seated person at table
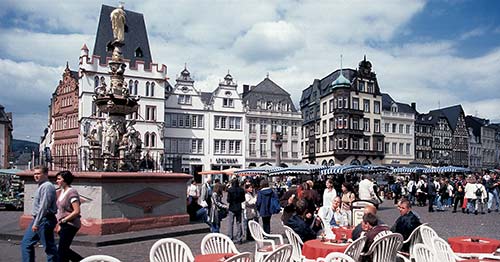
[[368, 209], [371, 229], [334, 215], [298, 222], [406, 223]]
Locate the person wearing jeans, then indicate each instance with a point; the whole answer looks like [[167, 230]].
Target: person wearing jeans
[[235, 196], [493, 188], [44, 219]]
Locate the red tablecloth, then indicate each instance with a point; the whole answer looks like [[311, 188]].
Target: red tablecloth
[[213, 257], [342, 231], [463, 244], [313, 249]]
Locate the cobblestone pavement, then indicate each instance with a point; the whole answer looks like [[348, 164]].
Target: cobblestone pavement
[[446, 224]]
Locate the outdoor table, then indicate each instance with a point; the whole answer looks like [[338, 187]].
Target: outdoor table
[[313, 249], [342, 232], [463, 244], [213, 257], [479, 260]]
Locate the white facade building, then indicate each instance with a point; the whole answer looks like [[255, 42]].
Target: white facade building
[[398, 126], [145, 80], [204, 131]]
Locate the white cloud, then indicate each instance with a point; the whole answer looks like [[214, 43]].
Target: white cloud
[[269, 41], [472, 33]]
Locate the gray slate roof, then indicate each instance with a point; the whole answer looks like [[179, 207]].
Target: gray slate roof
[[135, 36], [3, 115], [269, 91], [451, 113], [206, 97], [387, 102]]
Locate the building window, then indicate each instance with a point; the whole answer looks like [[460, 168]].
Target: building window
[[387, 127], [394, 127], [355, 103], [252, 149], [366, 124], [366, 105], [355, 144], [324, 108], [379, 145], [184, 100], [147, 88], [355, 124], [131, 87], [386, 147], [401, 128], [376, 107], [331, 105], [96, 82], [324, 144], [152, 139], [152, 89], [252, 126], [136, 84], [150, 113], [227, 102], [401, 152], [366, 144], [324, 126], [331, 124], [263, 127], [408, 147], [263, 148], [376, 126], [361, 86], [408, 129], [146, 139], [370, 87], [138, 53], [295, 129]]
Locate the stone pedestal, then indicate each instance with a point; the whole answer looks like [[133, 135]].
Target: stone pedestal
[[116, 202]]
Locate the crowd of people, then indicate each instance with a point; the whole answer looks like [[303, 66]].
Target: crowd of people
[[472, 194], [313, 208]]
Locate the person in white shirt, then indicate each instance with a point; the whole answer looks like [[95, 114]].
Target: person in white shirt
[[334, 216], [329, 194], [366, 191]]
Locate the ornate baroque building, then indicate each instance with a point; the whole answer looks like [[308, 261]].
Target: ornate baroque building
[[5, 137], [398, 120], [342, 118], [269, 109]]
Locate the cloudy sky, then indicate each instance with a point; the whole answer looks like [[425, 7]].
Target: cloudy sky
[[436, 53]]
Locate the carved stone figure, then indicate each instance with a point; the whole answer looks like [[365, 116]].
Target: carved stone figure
[[99, 129], [111, 137], [118, 24]]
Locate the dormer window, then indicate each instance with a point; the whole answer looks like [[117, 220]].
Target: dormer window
[[227, 102], [184, 100], [361, 86], [394, 108], [138, 53]]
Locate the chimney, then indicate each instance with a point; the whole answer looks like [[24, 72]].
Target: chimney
[[414, 106], [246, 89]]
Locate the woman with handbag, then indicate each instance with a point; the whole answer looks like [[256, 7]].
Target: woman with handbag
[[68, 215], [218, 209]]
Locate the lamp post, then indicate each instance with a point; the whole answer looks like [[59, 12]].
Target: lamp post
[[278, 144]]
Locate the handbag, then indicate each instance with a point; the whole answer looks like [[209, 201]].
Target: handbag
[[223, 213]]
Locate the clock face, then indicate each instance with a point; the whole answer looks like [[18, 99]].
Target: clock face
[[185, 89], [228, 93]]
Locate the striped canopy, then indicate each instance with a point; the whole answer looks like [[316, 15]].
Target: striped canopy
[[261, 170], [298, 170], [331, 170], [409, 170], [447, 169]]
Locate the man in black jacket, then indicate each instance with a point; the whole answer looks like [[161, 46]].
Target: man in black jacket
[[406, 223], [431, 193], [298, 224], [288, 200], [235, 196]]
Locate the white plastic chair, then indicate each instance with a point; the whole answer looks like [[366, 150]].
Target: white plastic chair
[[355, 249], [414, 238], [443, 251], [170, 250], [241, 257], [258, 234], [428, 234], [421, 253], [386, 248], [381, 234], [336, 257], [296, 242], [214, 243], [100, 258], [280, 254]]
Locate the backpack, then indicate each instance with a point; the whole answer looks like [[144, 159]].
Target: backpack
[[275, 205], [479, 192]]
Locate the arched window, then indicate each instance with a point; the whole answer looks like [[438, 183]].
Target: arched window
[[152, 89], [96, 81], [146, 140], [331, 162], [323, 163], [147, 88], [152, 141], [366, 162], [355, 162], [136, 84], [131, 87], [103, 81], [138, 52]]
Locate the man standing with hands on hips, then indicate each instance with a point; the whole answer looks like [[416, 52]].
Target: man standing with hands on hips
[[44, 219]]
